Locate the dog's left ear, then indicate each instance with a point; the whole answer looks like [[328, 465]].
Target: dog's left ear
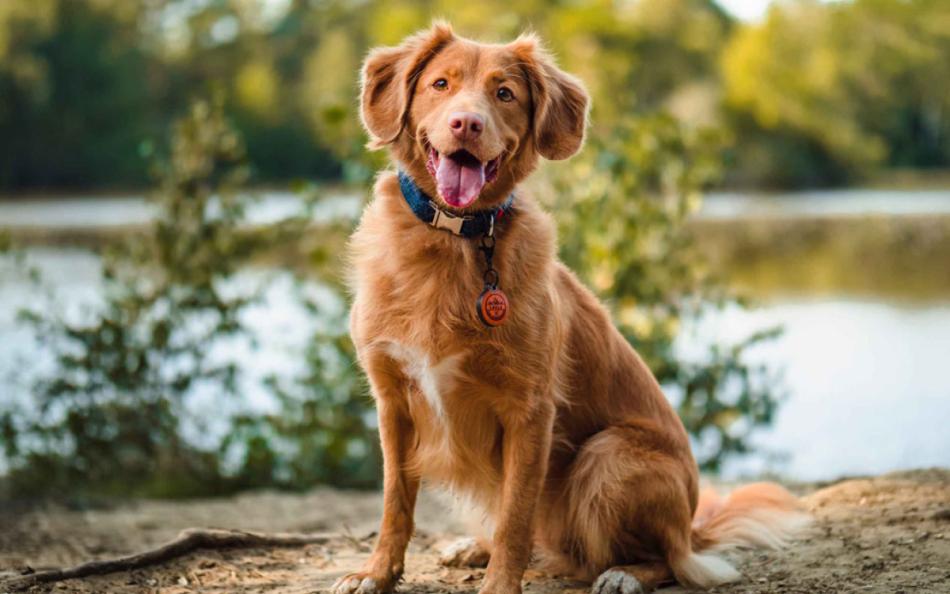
[[389, 79], [560, 101]]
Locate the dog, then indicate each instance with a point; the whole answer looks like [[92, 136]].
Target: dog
[[495, 372]]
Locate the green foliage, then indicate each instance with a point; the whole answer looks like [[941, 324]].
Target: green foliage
[[325, 424], [122, 377], [623, 229], [73, 103], [841, 88], [818, 93], [116, 414]]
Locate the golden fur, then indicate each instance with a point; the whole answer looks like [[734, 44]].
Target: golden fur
[[551, 423]]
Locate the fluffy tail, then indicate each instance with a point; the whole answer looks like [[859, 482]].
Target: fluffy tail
[[757, 515]]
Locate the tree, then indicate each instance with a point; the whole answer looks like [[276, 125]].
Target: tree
[[74, 95], [848, 86]]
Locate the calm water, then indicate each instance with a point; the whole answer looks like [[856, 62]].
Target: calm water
[[117, 211], [868, 380], [110, 211], [826, 203]]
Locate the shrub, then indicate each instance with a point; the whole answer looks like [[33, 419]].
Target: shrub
[[622, 208]]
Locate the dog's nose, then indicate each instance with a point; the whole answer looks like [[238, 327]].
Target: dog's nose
[[466, 125]]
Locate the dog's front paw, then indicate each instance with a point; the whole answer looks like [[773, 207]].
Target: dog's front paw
[[500, 590], [363, 583], [490, 586], [617, 581], [465, 552]]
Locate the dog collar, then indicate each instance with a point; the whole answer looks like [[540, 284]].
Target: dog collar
[[426, 210]]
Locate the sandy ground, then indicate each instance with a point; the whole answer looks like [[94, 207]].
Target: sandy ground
[[886, 534]]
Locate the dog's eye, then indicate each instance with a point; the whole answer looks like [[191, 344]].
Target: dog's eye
[[505, 94], [440, 85]]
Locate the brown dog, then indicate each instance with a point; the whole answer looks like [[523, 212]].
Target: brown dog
[[549, 422]]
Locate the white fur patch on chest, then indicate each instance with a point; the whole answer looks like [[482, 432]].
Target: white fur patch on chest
[[435, 379]]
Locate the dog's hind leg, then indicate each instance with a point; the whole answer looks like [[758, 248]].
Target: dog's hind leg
[[627, 507]]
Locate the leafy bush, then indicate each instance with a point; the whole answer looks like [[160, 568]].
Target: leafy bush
[[114, 415], [622, 209]]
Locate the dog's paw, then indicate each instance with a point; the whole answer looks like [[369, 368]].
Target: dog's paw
[[465, 552], [494, 587], [617, 581], [361, 583]]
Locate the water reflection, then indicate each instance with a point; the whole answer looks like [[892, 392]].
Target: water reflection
[[867, 382]]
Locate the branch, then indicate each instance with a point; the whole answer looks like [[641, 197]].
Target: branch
[[188, 540]]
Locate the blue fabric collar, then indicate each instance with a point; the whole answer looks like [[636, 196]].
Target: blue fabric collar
[[472, 225]]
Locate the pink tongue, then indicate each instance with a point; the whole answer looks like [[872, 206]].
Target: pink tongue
[[459, 185]]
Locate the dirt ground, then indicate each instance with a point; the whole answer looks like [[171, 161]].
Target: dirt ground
[[886, 534]]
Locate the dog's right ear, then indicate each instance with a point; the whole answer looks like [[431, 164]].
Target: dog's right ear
[[389, 80], [559, 100]]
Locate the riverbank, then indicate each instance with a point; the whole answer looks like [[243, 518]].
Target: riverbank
[[897, 256], [872, 535]]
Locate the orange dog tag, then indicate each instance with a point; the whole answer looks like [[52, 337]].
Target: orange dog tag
[[492, 307]]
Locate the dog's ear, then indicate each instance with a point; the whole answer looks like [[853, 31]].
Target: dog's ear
[[389, 79], [559, 101]]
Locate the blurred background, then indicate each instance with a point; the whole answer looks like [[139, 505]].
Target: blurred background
[[763, 202]]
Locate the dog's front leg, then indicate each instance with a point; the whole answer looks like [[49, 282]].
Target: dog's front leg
[[383, 569], [526, 446]]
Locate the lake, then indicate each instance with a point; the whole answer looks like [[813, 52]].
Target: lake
[[865, 371], [115, 211]]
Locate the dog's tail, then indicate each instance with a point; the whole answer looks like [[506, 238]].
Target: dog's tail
[[756, 515]]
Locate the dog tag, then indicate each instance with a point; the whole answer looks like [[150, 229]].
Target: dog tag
[[492, 306]]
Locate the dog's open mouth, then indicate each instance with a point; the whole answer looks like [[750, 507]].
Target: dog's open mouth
[[460, 176]]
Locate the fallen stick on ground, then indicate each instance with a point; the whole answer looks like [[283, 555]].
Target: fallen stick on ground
[[188, 540]]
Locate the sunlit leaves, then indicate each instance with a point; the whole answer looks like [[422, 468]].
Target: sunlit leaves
[[256, 89], [109, 417]]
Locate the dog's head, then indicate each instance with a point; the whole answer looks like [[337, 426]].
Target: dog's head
[[468, 120]]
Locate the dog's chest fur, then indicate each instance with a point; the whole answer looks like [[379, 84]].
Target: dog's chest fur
[[416, 292], [434, 380], [458, 434]]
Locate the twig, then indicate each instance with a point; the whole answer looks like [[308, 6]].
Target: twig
[[189, 540]]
